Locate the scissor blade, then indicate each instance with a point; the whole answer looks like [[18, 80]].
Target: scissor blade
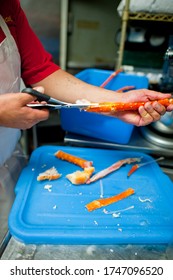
[[55, 107], [44, 106], [79, 106]]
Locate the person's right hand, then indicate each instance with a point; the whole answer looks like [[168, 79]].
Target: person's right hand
[[15, 114]]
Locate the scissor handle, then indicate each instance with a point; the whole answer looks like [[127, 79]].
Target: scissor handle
[[40, 96]]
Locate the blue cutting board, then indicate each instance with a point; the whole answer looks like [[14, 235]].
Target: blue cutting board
[[59, 216]]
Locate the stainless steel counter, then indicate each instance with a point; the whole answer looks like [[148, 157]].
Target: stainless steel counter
[[6, 201], [19, 251]]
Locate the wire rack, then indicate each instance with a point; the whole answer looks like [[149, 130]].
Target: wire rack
[[150, 16]]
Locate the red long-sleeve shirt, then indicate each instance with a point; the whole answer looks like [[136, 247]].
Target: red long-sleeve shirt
[[36, 63]]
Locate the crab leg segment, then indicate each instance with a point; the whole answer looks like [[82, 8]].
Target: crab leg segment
[[95, 204], [111, 77], [112, 168], [107, 107], [73, 159], [136, 166]]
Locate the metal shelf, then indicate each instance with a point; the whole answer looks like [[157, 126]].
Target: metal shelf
[[150, 17], [145, 16]]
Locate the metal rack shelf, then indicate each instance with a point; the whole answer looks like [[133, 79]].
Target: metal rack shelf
[[145, 16], [150, 17]]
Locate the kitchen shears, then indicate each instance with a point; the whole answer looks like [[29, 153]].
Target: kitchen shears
[[51, 103], [104, 107]]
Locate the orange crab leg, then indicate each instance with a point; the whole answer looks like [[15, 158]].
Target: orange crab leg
[[73, 159], [136, 166], [133, 169], [95, 204], [110, 77], [107, 107]]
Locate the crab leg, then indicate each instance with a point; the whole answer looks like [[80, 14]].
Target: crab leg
[[73, 159], [133, 169], [112, 168], [136, 166], [107, 107], [110, 78], [95, 204]]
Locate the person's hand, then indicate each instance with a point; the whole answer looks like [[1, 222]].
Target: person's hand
[[148, 113], [15, 113]]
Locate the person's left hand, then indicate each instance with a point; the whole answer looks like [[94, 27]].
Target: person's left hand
[[150, 112]]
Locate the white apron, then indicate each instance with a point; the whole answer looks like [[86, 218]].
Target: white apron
[[10, 72], [12, 160]]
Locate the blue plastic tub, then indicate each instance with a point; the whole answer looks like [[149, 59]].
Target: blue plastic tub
[[97, 125]]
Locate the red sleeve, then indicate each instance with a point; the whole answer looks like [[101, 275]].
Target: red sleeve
[[36, 63]]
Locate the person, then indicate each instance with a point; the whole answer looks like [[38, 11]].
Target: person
[[23, 56]]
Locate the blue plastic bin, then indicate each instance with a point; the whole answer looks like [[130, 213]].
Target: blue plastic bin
[[97, 125]]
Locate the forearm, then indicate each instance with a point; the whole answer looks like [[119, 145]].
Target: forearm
[[66, 87]]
